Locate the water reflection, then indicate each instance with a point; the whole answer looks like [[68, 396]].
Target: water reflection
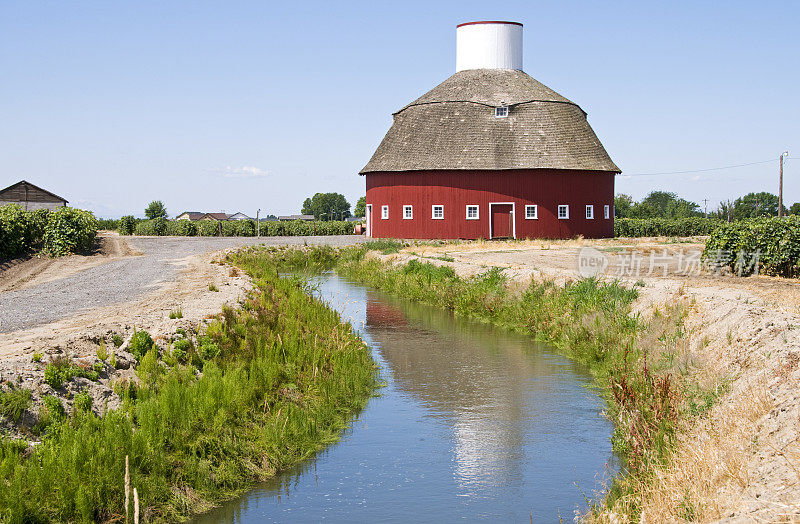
[[475, 423]]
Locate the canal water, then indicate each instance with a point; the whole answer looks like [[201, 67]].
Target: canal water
[[474, 423]]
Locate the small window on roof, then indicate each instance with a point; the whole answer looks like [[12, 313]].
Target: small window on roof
[[501, 112]]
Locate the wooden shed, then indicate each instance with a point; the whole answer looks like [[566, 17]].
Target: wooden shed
[[490, 153], [30, 197]]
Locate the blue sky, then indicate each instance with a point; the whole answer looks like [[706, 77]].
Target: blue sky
[[236, 106]]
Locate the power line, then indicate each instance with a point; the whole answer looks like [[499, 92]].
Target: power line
[[705, 170]]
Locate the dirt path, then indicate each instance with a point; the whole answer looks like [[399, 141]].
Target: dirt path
[[741, 463], [30, 272], [42, 292]]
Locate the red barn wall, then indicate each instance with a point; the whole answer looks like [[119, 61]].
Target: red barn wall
[[456, 189]]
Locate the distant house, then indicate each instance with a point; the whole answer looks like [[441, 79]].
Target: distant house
[[289, 218], [30, 197], [215, 216], [239, 216], [190, 215]]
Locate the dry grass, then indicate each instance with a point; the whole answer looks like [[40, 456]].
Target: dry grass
[[710, 458]]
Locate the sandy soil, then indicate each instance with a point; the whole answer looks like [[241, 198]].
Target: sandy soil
[[741, 463]]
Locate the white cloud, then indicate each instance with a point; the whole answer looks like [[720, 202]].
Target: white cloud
[[244, 172]]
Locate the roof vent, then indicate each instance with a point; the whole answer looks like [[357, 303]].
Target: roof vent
[[489, 45]]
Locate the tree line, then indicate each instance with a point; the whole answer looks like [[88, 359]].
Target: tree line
[[664, 204]]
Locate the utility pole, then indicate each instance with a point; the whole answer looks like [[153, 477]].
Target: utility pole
[[780, 186], [705, 202]]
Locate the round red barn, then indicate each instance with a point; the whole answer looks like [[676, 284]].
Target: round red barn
[[490, 153]]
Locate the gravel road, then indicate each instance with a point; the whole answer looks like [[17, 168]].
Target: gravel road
[[126, 279]]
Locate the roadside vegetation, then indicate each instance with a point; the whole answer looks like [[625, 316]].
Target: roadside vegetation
[[665, 227], [55, 233], [637, 363], [129, 225], [255, 391], [766, 245]]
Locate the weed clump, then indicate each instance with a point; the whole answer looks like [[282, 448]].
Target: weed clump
[[14, 402], [141, 343], [82, 403]]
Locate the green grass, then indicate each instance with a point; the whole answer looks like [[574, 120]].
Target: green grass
[[14, 402], [281, 377], [176, 313]]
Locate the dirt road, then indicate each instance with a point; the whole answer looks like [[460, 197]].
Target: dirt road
[[41, 291]]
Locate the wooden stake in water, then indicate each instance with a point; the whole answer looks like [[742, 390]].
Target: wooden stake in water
[[127, 487], [135, 507]]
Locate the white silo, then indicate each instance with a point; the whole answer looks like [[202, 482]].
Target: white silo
[[489, 45]]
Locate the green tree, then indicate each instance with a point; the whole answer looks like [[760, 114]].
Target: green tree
[[724, 211], [155, 209], [327, 206], [361, 208], [795, 209], [622, 205], [755, 205], [663, 204]]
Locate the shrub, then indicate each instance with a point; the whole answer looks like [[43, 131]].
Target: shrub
[[69, 230], [768, 245], [102, 350], [117, 339], [176, 313], [664, 227], [126, 225], [16, 231], [182, 228], [209, 350], [52, 375], [141, 343], [208, 228], [180, 348], [238, 228], [82, 403], [53, 407], [108, 224]]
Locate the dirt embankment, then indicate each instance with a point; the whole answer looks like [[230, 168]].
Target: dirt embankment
[[741, 461], [28, 272]]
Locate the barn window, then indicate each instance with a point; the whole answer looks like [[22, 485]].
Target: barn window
[[531, 212], [472, 212], [606, 211], [563, 212], [501, 112], [590, 212], [384, 212], [437, 212], [408, 213]]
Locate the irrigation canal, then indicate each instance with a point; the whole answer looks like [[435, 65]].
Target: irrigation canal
[[474, 424]]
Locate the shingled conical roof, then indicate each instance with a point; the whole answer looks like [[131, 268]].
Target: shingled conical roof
[[453, 127]]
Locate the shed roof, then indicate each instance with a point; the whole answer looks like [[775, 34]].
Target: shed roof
[[24, 183], [453, 127], [216, 216]]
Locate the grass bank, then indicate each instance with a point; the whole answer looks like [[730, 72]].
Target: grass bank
[[262, 388], [637, 363]]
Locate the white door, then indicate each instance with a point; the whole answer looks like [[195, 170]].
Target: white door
[[369, 220]]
